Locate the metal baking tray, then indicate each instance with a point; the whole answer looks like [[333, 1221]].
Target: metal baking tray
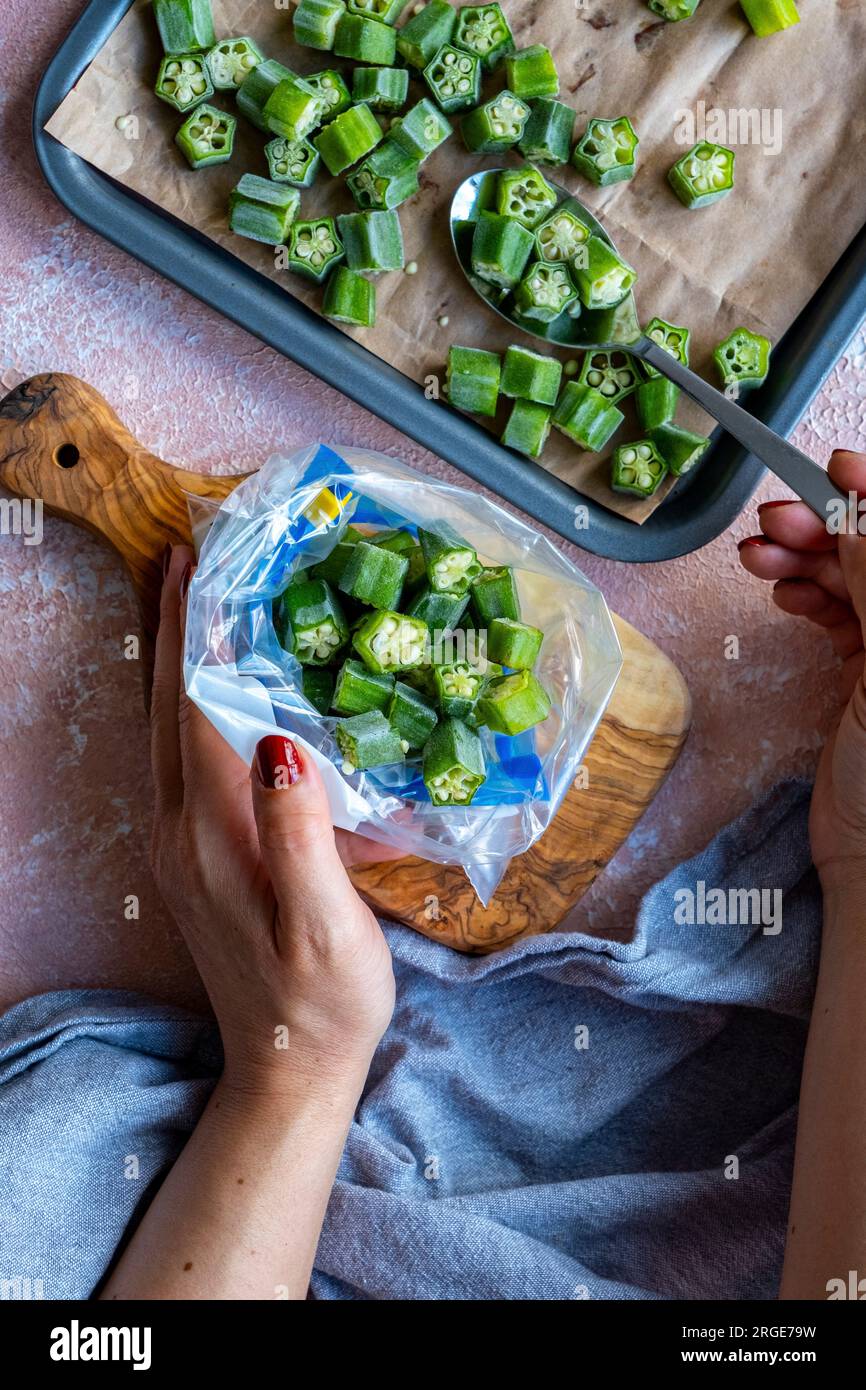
[[701, 506]]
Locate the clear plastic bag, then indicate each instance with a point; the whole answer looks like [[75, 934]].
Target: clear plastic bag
[[289, 516]]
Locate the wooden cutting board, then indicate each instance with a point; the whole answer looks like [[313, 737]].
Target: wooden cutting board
[[61, 442]]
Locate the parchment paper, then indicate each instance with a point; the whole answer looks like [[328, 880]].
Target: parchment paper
[[754, 259]]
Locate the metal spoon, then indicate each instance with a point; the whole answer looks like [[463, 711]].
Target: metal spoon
[[619, 330]]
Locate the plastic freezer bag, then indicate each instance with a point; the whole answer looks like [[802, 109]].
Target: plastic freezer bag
[[289, 516]]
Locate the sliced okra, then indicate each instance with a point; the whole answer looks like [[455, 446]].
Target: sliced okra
[[513, 643], [426, 32], [674, 10], [314, 249], [317, 686], [315, 23], [496, 125], [412, 716], [367, 740], [387, 11], [374, 575], [349, 298], [383, 89], [512, 704], [605, 279], [454, 78], [185, 26], [656, 403], [401, 542], [607, 151], [612, 374], [292, 109], [292, 161], [704, 175], [451, 563], [207, 137], [525, 195], [561, 236], [348, 138], [494, 595], [454, 766], [586, 417], [530, 376], [334, 95], [472, 382], [422, 130], [231, 61], [263, 210], [638, 469], [770, 16], [458, 686], [673, 339], [386, 178], [333, 566], [743, 358], [501, 248], [310, 622], [531, 72], [528, 428], [389, 641], [183, 81], [359, 690], [365, 40], [547, 137], [440, 610], [680, 449], [545, 292], [484, 31], [255, 90], [373, 242]]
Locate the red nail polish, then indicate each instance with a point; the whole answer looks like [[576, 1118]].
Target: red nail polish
[[278, 762], [753, 540], [779, 502], [166, 560], [184, 581]]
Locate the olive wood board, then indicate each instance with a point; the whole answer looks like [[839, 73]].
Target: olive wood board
[[61, 442]]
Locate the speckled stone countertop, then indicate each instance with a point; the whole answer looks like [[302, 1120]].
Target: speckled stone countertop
[[74, 798]]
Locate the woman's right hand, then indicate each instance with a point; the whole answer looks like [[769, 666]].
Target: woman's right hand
[[822, 577]]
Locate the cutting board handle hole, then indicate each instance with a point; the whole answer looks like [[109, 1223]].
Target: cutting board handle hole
[[66, 456]]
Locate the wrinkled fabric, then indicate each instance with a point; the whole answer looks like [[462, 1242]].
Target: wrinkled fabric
[[571, 1118]]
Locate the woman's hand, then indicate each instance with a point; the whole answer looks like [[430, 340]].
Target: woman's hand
[[296, 966], [823, 578]]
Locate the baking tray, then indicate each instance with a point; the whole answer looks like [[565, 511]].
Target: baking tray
[[701, 506]]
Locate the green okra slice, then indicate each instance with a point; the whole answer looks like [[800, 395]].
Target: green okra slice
[[263, 210], [656, 403], [422, 130], [349, 298], [374, 575], [386, 178], [454, 766], [704, 175], [454, 78], [605, 279], [359, 690], [545, 292], [334, 565], [231, 61], [531, 72], [440, 610], [183, 81], [586, 417], [314, 249], [484, 31], [743, 358], [365, 40], [530, 376], [401, 542], [292, 161], [391, 641], [494, 595], [207, 137], [561, 236], [613, 375], [383, 89], [255, 90], [310, 622], [315, 23], [373, 242], [334, 95], [472, 381], [292, 109], [451, 563], [496, 125], [317, 686], [680, 449], [547, 137], [387, 11], [606, 153], [674, 10], [367, 740], [185, 26], [638, 469], [500, 249], [426, 32], [412, 716], [528, 428], [513, 643], [512, 704], [525, 195], [348, 138], [672, 338], [770, 16], [458, 687]]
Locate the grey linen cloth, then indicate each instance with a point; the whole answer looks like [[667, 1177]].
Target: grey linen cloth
[[572, 1118]]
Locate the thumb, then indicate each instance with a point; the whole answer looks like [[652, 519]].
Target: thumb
[[848, 471], [296, 834]]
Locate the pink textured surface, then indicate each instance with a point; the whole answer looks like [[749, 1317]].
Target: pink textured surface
[[74, 809]]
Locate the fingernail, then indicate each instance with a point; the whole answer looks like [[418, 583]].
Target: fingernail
[[166, 560], [780, 502], [278, 762], [184, 580], [753, 540]]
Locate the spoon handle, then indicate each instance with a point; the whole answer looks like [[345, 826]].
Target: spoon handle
[[804, 477]]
